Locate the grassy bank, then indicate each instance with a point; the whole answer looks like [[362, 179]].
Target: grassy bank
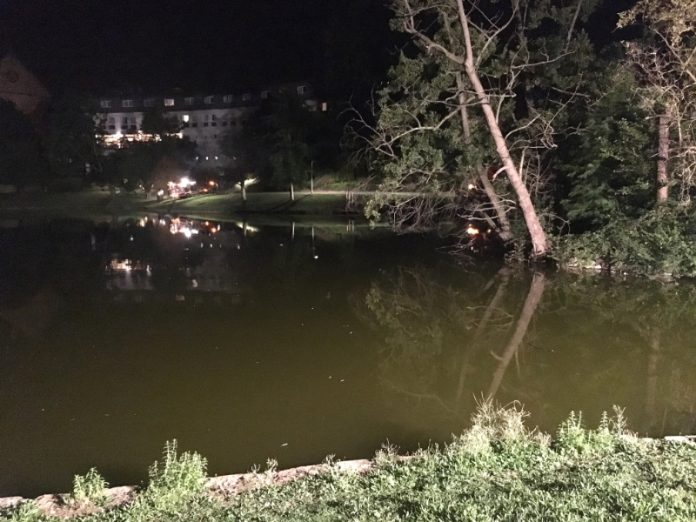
[[497, 470], [98, 201]]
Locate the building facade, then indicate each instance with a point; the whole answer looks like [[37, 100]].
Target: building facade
[[204, 119]]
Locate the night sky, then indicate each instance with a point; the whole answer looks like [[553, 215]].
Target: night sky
[[205, 45]]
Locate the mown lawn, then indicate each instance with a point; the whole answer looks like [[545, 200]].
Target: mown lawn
[[496, 470]]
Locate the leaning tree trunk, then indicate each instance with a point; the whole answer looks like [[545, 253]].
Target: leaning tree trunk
[[663, 157], [536, 231], [504, 229]]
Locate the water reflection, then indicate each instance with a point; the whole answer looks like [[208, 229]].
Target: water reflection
[[554, 344], [256, 339]]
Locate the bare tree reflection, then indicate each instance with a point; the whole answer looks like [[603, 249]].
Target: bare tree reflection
[[536, 290]]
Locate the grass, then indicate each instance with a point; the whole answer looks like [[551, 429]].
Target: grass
[[90, 201], [496, 470], [257, 202]]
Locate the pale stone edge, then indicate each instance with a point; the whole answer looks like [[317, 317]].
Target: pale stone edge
[[223, 486]]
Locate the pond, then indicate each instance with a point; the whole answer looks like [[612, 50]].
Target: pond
[[269, 339]]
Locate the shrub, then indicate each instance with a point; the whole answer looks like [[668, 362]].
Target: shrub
[[661, 242], [90, 487]]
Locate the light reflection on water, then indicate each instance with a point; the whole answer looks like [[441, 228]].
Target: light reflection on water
[[247, 341]]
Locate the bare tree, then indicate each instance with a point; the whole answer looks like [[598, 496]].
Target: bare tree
[[665, 63], [468, 60]]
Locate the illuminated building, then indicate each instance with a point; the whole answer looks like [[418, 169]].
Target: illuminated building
[[204, 119]]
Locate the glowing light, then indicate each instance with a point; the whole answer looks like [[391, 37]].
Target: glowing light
[[471, 186], [211, 183], [185, 118], [185, 182], [472, 231]]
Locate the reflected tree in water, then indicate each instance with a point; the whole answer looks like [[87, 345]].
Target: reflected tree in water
[[573, 342]]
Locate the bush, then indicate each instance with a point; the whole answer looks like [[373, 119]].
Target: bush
[[498, 469], [661, 242], [90, 487]]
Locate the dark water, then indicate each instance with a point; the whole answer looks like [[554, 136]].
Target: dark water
[[268, 342]]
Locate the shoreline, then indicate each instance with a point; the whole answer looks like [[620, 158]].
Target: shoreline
[[224, 487]]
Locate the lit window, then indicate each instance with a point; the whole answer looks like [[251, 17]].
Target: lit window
[[208, 100], [189, 100], [105, 104], [185, 118], [149, 102], [301, 89], [169, 102], [227, 98], [265, 94], [127, 103], [246, 97]]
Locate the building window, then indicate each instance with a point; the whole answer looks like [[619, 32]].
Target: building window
[[194, 124], [127, 103], [189, 100], [112, 127], [208, 100], [105, 104], [224, 124], [185, 118], [301, 89], [265, 95], [246, 97], [227, 98], [169, 102], [149, 102]]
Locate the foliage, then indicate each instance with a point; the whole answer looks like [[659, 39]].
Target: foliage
[[661, 242], [282, 142], [532, 58], [603, 164], [155, 122], [175, 483], [663, 64], [21, 154], [149, 163], [71, 146], [496, 470], [90, 487]]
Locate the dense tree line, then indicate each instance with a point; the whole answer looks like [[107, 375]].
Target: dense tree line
[[515, 115]]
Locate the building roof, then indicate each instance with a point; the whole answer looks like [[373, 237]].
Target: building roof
[[20, 86], [178, 101]]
